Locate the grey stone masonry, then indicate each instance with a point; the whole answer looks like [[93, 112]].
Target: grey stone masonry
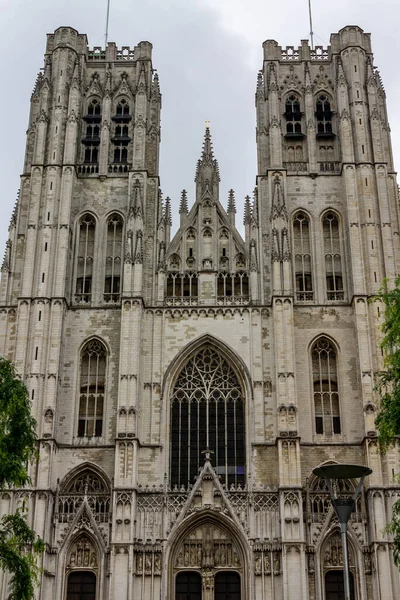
[[185, 388]]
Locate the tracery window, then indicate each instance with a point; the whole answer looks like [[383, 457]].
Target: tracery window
[[293, 115], [207, 411], [121, 136], [181, 286], [325, 384], [302, 257], [324, 116], [85, 257], [333, 257], [92, 388], [320, 500], [89, 485], [112, 281], [91, 139], [232, 287]]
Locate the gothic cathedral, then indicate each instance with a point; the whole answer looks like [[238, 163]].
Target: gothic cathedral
[[185, 388]]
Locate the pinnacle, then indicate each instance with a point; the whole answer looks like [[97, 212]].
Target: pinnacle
[[231, 202], [167, 211], [207, 156], [183, 207], [247, 211]]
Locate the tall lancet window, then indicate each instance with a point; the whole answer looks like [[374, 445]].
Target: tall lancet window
[[207, 411], [84, 268], [333, 257], [324, 116], [293, 116], [91, 140], [92, 387], [325, 383], [112, 281], [302, 257], [121, 137]]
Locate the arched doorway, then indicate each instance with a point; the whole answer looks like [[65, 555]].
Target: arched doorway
[[81, 586], [227, 586], [208, 564], [334, 585], [188, 586]]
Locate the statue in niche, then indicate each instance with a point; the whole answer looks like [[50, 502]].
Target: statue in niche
[[277, 564], [199, 554], [267, 563], [208, 580], [186, 556], [193, 556], [311, 563], [157, 564], [257, 564], [208, 555], [179, 562], [147, 564], [236, 561], [139, 563]]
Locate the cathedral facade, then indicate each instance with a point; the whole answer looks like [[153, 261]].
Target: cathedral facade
[[185, 388]]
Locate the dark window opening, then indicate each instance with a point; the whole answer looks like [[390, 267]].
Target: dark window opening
[[182, 285], [84, 288], [207, 411], [325, 388], [324, 116], [293, 115], [92, 386], [91, 155]]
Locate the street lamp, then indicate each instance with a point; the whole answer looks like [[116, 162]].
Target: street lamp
[[342, 503]]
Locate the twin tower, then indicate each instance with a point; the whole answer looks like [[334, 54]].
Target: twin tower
[[184, 389]]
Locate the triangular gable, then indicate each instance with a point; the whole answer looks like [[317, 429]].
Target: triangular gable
[[84, 522], [207, 494], [192, 221]]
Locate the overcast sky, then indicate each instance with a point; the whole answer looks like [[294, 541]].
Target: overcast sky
[[207, 53]]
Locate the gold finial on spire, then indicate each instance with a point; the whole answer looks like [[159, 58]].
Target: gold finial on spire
[[207, 124]]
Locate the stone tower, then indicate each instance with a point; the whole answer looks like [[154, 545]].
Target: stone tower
[[185, 389]]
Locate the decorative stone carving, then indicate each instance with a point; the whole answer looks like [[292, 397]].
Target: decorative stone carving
[[82, 554], [208, 548]]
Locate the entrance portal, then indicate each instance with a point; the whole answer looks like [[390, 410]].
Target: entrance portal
[[334, 585], [81, 586]]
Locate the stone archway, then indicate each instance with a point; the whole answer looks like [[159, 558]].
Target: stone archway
[[208, 549]]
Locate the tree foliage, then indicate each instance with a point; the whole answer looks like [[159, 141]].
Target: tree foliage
[[388, 386], [19, 544]]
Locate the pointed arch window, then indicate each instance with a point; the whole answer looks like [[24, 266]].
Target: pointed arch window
[[207, 411], [302, 257], [91, 139], [324, 116], [293, 116], [112, 281], [325, 387], [333, 257], [85, 258], [92, 389], [87, 484], [121, 137]]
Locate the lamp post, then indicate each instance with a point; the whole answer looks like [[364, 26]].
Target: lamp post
[[342, 503]]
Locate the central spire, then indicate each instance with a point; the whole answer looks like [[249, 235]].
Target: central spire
[[207, 170]]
